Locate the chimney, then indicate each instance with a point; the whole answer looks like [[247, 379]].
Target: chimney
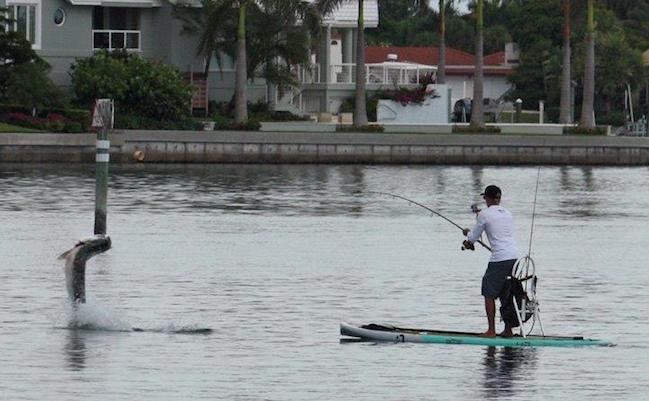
[[512, 53]]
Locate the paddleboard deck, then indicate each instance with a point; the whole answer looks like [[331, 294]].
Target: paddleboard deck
[[388, 333]]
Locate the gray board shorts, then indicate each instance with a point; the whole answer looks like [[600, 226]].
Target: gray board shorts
[[495, 277]]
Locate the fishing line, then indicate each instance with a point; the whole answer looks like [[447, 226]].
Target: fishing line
[[536, 191], [523, 267], [435, 212]]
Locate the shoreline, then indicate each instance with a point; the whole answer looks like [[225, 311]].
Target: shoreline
[[328, 148]]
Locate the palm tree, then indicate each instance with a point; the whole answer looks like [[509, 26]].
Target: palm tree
[[279, 38], [214, 25], [565, 115], [441, 65], [477, 115], [360, 104], [241, 70], [587, 108], [220, 35]]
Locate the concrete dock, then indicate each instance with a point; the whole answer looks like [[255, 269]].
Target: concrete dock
[[328, 147]]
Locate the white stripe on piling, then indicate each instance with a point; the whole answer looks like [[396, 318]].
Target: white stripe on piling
[[102, 158]]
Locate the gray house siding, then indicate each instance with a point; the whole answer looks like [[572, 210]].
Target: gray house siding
[[166, 42], [62, 45], [161, 38]]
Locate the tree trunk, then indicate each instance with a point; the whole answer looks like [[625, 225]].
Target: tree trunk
[[646, 98], [241, 75], [477, 115], [588, 105], [565, 116], [360, 106], [271, 88], [441, 65]]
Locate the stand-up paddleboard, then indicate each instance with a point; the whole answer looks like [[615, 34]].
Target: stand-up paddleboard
[[388, 333]]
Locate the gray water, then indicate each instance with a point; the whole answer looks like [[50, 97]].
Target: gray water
[[273, 258]]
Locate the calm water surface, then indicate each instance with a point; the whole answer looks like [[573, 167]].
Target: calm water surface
[[272, 258]]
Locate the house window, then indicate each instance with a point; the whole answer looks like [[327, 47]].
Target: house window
[[59, 17], [116, 28], [25, 15]]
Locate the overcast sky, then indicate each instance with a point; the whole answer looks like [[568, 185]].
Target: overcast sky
[[461, 5]]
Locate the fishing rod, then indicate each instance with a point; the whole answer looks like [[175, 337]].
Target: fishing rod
[[435, 212]]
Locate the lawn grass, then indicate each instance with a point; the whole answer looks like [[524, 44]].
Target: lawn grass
[[14, 129]]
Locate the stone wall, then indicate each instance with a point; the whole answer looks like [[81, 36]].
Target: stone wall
[[285, 147]]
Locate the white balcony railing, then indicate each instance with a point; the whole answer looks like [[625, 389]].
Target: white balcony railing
[[378, 74], [112, 39]]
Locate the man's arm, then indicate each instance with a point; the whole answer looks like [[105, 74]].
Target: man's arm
[[474, 234]]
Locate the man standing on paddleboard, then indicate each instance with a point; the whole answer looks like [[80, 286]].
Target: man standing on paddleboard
[[498, 223]]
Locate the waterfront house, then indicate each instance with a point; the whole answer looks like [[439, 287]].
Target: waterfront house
[[63, 30], [460, 67]]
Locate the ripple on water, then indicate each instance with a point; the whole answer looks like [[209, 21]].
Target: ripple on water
[[272, 258]]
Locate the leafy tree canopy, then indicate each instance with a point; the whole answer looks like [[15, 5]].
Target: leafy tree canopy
[[536, 25], [15, 52], [138, 86]]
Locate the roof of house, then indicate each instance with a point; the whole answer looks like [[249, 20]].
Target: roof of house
[[345, 16], [458, 62], [404, 65], [117, 3], [495, 59], [421, 55]]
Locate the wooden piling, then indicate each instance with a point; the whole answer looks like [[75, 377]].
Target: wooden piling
[[103, 120]]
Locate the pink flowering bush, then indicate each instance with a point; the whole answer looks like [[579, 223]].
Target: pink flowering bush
[[24, 120], [412, 96], [55, 117]]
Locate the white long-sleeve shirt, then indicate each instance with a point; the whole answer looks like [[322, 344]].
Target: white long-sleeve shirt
[[498, 223]]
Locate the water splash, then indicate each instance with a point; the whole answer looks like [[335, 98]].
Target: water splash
[[92, 316]]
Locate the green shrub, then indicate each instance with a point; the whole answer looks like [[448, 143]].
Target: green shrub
[[470, 130], [221, 122], [287, 116], [29, 85], [365, 128], [79, 116], [613, 117], [258, 107], [251, 125], [74, 127], [552, 114], [583, 131], [347, 106], [277, 116], [133, 121], [16, 54], [372, 103], [221, 108], [56, 126], [139, 87]]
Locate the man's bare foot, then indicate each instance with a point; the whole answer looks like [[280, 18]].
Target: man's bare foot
[[488, 333], [506, 334]]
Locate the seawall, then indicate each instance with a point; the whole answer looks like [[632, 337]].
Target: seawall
[[301, 147]]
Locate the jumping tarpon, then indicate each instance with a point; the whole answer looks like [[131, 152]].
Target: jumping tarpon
[[75, 264]]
